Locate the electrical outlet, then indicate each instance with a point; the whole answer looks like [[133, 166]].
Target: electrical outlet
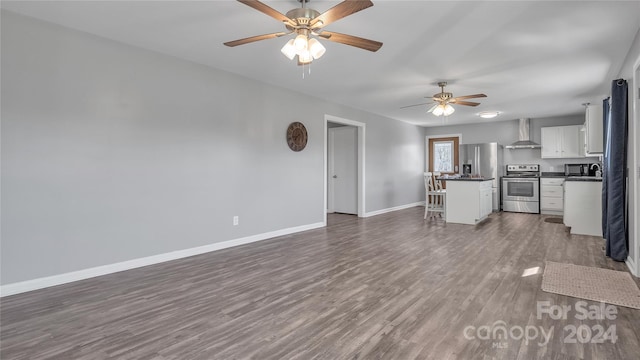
[[236, 220]]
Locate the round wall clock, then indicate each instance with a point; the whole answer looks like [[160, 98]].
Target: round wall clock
[[296, 136]]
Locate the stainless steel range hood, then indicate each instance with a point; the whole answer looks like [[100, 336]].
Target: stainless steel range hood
[[524, 141]]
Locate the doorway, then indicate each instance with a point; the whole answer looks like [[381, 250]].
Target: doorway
[[443, 154], [342, 169], [344, 158]]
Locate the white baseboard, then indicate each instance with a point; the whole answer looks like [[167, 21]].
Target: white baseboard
[[35, 284], [395, 208], [632, 267]]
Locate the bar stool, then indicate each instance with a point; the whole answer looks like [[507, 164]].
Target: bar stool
[[435, 196]]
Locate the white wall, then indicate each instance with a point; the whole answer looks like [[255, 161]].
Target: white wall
[[506, 132], [112, 153]]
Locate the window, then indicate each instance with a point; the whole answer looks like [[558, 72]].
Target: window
[[443, 155]]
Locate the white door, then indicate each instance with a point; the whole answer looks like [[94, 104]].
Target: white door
[[343, 170]]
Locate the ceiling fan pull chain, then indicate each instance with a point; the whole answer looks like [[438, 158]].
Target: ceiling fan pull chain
[[308, 65]]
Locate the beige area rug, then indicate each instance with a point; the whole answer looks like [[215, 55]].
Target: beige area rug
[[590, 283]]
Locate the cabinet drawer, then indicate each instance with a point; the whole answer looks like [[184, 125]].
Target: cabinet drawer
[[551, 191], [547, 203], [552, 181]]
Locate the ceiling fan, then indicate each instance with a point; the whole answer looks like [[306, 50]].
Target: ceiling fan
[[305, 23], [443, 101]]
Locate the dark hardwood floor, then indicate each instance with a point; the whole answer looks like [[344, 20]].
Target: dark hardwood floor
[[393, 286]]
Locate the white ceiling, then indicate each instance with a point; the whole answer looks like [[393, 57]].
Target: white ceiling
[[532, 58]]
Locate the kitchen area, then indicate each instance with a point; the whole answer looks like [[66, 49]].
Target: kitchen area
[[549, 166]]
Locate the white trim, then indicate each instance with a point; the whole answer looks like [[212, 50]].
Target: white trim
[[634, 264], [330, 162], [426, 146], [361, 161], [632, 267], [35, 284], [395, 208]]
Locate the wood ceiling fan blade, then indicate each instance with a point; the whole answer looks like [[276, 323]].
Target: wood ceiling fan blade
[[466, 103], [351, 40], [470, 96], [340, 11], [254, 39], [267, 10], [408, 106]]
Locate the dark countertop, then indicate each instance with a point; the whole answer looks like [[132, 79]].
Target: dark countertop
[[556, 175], [583, 178], [553, 175], [464, 179]]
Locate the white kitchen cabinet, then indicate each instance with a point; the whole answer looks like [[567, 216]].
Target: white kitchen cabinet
[[552, 196], [486, 201], [550, 141], [593, 125], [572, 141], [583, 207], [468, 201], [562, 142]]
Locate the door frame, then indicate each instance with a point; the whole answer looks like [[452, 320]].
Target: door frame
[[634, 176], [361, 130], [426, 146]]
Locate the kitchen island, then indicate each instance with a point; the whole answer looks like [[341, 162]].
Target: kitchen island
[[583, 205], [468, 200]]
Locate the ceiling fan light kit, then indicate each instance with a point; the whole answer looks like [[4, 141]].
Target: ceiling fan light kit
[[289, 50], [316, 48], [305, 23], [442, 109]]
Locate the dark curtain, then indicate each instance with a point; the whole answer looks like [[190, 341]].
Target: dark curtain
[[614, 185], [605, 128]]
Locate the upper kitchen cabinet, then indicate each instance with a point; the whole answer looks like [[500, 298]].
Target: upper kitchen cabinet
[[562, 142], [593, 125]]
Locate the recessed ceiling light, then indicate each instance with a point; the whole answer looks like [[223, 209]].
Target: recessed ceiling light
[[489, 114]]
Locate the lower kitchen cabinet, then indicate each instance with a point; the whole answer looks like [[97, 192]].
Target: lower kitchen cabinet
[[486, 201], [583, 207], [552, 196], [468, 202]]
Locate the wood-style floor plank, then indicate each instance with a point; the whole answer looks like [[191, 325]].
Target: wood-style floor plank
[[393, 286]]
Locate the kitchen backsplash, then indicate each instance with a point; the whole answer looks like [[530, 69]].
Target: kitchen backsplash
[[525, 156]]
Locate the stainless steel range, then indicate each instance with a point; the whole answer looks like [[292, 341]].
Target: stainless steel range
[[521, 189]]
